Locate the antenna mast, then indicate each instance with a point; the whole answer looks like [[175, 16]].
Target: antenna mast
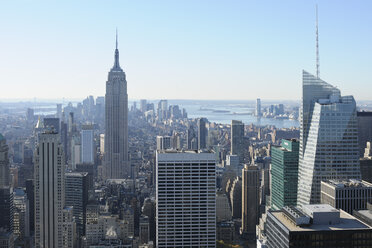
[[317, 44]]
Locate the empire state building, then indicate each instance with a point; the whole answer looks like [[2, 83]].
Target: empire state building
[[116, 162]]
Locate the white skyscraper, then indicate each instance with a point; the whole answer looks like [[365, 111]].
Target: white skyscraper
[[186, 199], [49, 191], [258, 107], [116, 123], [87, 144], [328, 138]]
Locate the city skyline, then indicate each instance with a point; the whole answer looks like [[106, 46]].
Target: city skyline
[[158, 41]]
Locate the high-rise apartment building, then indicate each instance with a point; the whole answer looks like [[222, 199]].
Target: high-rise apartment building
[[49, 190], [237, 139], [284, 174], [250, 200], [87, 144], [348, 195], [202, 133], [116, 125], [76, 195], [186, 199], [328, 138]]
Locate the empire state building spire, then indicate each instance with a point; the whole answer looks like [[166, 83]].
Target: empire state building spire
[[116, 64]]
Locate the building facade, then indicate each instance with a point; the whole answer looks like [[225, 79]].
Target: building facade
[[237, 139], [328, 138], [284, 174], [186, 199], [250, 200], [116, 123], [348, 195], [49, 190], [316, 226]]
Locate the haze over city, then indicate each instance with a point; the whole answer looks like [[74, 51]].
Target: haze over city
[[227, 50]]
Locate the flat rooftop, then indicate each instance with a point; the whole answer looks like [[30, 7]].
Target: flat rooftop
[[347, 222], [351, 183], [184, 151]]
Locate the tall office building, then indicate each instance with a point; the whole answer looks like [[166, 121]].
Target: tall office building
[[348, 195], [364, 130], [191, 139], [250, 200], [87, 144], [21, 214], [315, 226], [76, 195], [4, 162], [116, 126], [186, 199], [237, 139], [329, 127], [236, 198], [202, 133], [49, 190], [284, 174], [52, 123], [258, 107]]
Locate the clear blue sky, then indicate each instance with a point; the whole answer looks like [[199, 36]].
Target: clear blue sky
[[183, 49]]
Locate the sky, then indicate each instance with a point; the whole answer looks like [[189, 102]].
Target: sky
[[228, 50]]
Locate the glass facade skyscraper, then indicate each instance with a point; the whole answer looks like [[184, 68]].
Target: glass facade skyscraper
[[328, 138], [284, 174]]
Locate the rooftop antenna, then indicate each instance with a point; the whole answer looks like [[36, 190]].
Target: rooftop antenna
[[317, 43], [116, 38]]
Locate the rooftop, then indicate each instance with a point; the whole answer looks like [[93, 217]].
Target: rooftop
[[347, 222], [348, 183]]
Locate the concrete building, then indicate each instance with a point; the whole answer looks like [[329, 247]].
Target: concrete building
[[202, 133], [69, 233], [223, 211], [52, 124], [347, 195], [237, 139], [328, 125], [250, 201], [76, 196], [163, 142], [49, 190], [87, 144], [4, 162], [236, 198], [284, 174], [144, 230], [364, 130], [21, 214], [316, 226], [366, 164], [116, 123], [186, 199]]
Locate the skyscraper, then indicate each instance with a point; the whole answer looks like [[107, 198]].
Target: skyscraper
[[4, 162], [284, 174], [237, 139], [116, 125], [364, 130], [202, 133], [76, 195], [328, 138], [258, 107], [87, 144], [49, 190], [186, 199], [250, 200]]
